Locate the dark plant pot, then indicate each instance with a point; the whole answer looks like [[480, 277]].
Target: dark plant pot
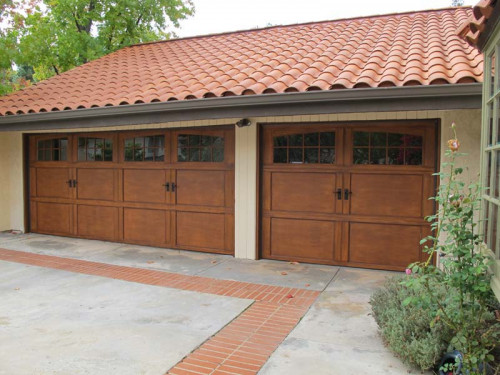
[[456, 358]]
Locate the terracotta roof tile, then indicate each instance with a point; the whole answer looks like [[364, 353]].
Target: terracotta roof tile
[[418, 48], [472, 29]]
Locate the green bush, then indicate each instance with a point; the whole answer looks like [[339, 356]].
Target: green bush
[[412, 332]]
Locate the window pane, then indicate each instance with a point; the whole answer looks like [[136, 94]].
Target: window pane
[[487, 181], [377, 156], [494, 229], [360, 156], [47, 155], [311, 155], [218, 154], [182, 154], [139, 142], [311, 139], [218, 141], [497, 176], [413, 140], [138, 154], [98, 154], [327, 139], [47, 143], [194, 154], [90, 154], [149, 154], [41, 155], [396, 156], [378, 139], [206, 153], [486, 221], [396, 139], [81, 142], [279, 155], [413, 156], [129, 142], [182, 140], [281, 141], [194, 140], [295, 155], [489, 129], [108, 154], [55, 143], [361, 138], [109, 144], [90, 142], [295, 139], [206, 140], [159, 153], [327, 155], [129, 154], [492, 74]]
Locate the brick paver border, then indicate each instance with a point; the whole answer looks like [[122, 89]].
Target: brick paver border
[[241, 347]]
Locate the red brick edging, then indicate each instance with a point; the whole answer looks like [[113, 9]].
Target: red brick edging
[[241, 347]]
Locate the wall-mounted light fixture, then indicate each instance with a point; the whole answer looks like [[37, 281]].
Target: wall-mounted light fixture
[[243, 122]]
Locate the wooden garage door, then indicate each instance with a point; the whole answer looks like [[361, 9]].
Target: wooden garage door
[[347, 194], [169, 188]]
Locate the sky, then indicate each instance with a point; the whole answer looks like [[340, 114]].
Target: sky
[[215, 16]]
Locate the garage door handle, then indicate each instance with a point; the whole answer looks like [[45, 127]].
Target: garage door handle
[[339, 194], [167, 186], [346, 194], [173, 187], [70, 183]]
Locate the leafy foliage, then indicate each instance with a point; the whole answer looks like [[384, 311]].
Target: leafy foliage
[[411, 331], [464, 273], [53, 36]]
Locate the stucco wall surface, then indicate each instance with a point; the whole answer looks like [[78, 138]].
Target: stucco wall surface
[[468, 125]]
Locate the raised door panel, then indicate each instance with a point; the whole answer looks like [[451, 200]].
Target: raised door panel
[[302, 239], [201, 188], [145, 226], [96, 183], [384, 244], [144, 185], [53, 183], [303, 192], [201, 230], [97, 222], [386, 195], [54, 218]]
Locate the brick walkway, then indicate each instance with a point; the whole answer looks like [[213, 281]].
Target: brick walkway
[[241, 347]]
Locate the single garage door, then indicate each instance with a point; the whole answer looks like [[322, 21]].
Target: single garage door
[[352, 194], [168, 188]]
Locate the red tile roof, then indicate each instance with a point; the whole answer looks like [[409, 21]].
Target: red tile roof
[[473, 28], [418, 48]]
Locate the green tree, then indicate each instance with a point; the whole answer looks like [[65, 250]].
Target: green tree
[[53, 36]]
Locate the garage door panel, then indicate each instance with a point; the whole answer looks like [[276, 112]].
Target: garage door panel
[[296, 238], [395, 195], [96, 183], [144, 185], [145, 226], [305, 192], [384, 244], [201, 188], [53, 183], [54, 218], [97, 222], [200, 230]]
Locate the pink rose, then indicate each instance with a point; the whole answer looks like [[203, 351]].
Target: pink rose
[[408, 271]]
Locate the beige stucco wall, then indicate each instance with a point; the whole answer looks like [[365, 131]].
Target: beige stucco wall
[[11, 181], [468, 123]]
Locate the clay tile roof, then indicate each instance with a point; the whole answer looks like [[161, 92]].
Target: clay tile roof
[[472, 29], [416, 48]]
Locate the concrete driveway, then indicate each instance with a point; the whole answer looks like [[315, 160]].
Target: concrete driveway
[[72, 306]]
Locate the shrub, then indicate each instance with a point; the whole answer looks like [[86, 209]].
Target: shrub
[[411, 332]]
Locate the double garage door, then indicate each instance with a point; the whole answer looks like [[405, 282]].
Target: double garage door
[[169, 188], [347, 194], [329, 193]]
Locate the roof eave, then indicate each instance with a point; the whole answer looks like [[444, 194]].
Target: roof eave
[[224, 107]]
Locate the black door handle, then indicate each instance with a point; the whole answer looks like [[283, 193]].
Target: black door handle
[[339, 194], [70, 183], [173, 187], [346, 194], [167, 186], [74, 183]]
